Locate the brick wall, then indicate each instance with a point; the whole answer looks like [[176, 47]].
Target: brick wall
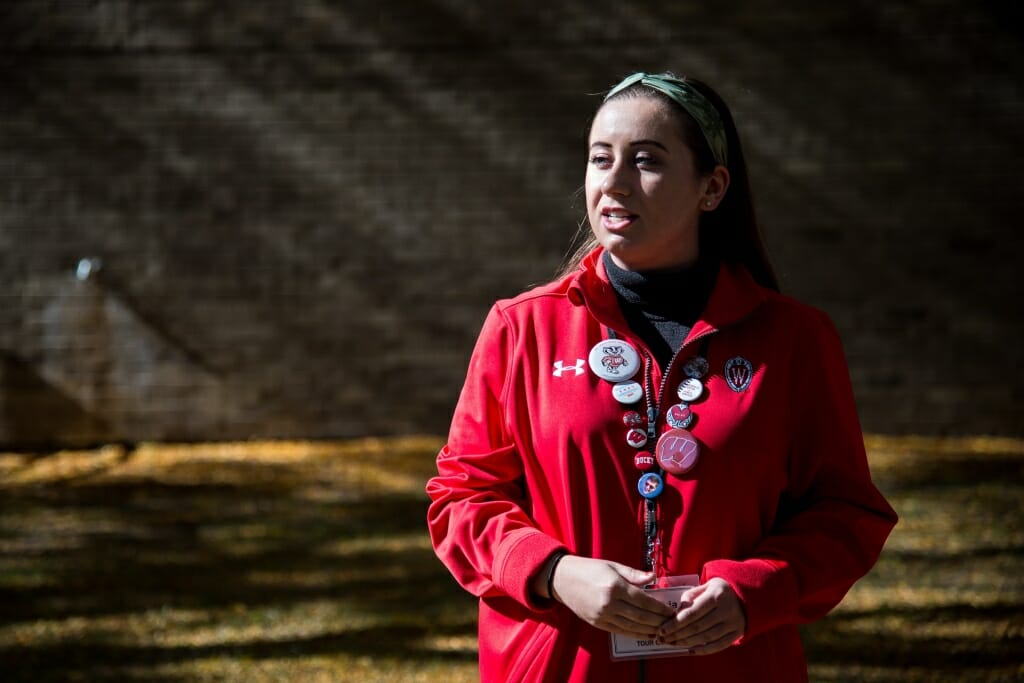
[[303, 210]]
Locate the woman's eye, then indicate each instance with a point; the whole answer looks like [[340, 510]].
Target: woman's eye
[[645, 160], [600, 159]]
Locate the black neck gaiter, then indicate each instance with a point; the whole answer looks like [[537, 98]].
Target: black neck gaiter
[[661, 306]]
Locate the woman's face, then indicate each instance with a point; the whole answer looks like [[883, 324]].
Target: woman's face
[[644, 194]]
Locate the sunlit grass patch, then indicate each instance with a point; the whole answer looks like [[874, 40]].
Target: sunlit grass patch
[[400, 464]]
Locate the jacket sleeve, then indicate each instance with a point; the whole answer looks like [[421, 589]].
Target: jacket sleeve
[[832, 522], [478, 518]]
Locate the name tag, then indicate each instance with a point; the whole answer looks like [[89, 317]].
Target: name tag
[[631, 647]]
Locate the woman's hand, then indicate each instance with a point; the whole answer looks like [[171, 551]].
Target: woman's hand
[[609, 595], [710, 619]]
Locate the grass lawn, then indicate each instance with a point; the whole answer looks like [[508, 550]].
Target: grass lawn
[[309, 561]]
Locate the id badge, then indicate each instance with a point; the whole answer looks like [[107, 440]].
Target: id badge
[[668, 590]]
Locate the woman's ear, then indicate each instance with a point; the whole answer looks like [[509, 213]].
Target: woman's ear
[[715, 186]]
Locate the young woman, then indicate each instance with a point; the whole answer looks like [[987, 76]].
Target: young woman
[[655, 470]]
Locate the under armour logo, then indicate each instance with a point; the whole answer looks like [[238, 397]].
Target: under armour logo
[[561, 367]]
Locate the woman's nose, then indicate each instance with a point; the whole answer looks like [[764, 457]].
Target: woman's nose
[[615, 182]]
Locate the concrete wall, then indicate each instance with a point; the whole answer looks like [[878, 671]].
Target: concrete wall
[[304, 209]]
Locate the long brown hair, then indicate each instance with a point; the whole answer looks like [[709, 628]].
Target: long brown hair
[[730, 232]]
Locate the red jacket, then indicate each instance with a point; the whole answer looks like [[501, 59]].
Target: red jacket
[[780, 505]]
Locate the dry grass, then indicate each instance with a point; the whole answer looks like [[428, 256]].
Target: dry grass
[[308, 561]]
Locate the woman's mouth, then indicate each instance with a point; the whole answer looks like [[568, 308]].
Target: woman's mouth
[[616, 219]]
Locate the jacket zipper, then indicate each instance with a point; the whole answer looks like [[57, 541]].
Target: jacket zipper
[[653, 414]]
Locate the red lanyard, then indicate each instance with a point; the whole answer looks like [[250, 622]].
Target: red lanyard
[[677, 449]]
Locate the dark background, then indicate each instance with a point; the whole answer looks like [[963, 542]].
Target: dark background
[[304, 209]]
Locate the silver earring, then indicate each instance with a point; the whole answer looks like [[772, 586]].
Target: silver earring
[[707, 203]]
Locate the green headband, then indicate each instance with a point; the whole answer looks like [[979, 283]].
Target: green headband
[[690, 99]]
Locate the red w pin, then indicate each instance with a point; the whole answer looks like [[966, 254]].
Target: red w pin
[[636, 438], [677, 451]]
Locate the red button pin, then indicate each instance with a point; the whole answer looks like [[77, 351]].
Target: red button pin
[[677, 451], [637, 438], [644, 460], [633, 419], [679, 416]]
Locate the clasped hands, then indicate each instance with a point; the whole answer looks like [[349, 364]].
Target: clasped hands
[[610, 596]]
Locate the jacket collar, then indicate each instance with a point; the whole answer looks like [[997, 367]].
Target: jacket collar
[[735, 296]]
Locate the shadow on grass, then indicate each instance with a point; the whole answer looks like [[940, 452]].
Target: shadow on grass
[[41, 663], [936, 473], [205, 554], [847, 638], [105, 579]]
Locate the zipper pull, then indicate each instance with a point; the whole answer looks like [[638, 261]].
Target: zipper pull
[[652, 420]]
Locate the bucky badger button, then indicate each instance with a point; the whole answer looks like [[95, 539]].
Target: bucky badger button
[[614, 360]]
